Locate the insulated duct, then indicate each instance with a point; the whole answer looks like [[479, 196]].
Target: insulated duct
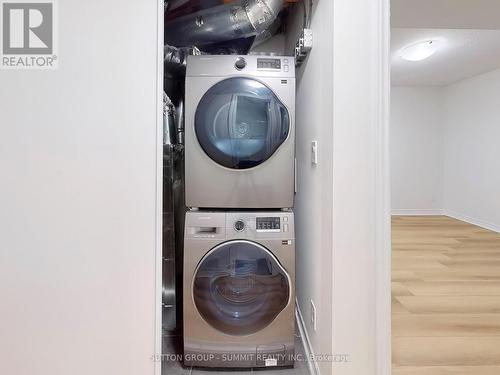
[[180, 122], [169, 128], [175, 58], [177, 3], [222, 23], [169, 298]]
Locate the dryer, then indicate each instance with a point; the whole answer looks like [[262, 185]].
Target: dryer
[[240, 131], [239, 289]]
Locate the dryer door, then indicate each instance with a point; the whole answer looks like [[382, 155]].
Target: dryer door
[[240, 123], [239, 287]]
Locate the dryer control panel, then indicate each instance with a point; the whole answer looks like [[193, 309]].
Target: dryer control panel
[[268, 63], [244, 65]]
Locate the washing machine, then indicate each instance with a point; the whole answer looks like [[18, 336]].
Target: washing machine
[[239, 131], [239, 294]]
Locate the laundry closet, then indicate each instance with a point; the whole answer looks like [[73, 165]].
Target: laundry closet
[[230, 183]]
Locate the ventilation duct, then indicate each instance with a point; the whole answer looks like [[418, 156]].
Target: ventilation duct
[[179, 8], [175, 58], [223, 23], [169, 128], [177, 3]]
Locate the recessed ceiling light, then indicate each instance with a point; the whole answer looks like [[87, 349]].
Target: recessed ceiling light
[[420, 50]]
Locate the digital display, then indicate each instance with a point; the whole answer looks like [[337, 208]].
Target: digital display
[[268, 224], [273, 64]]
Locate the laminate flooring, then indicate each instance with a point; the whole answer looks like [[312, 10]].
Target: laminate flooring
[[445, 297]]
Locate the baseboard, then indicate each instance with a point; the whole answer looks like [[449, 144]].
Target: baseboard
[[306, 343], [472, 220], [417, 212]]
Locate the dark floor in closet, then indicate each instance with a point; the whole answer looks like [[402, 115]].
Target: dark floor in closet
[[173, 344]]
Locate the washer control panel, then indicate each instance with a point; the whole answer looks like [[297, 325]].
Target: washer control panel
[[260, 224], [231, 225], [268, 224]]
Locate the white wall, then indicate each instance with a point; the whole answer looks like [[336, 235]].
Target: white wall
[[314, 118], [78, 155], [445, 154], [343, 251], [275, 45], [472, 150], [417, 150], [361, 217]]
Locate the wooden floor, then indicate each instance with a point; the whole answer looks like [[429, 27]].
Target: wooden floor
[[446, 297]]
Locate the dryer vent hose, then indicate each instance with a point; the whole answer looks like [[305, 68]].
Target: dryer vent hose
[[223, 23]]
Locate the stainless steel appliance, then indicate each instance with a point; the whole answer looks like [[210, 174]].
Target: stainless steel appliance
[[239, 289], [240, 132]]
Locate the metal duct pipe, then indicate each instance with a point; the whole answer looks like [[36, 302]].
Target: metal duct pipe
[[267, 34], [180, 122], [168, 241], [169, 128], [175, 59], [223, 23], [177, 3]]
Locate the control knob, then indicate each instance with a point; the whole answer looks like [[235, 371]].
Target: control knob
[[239, 225], [240, 63]]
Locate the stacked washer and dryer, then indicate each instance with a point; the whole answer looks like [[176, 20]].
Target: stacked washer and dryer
[[239, 245]]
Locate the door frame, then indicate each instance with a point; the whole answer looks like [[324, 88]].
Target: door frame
[[159, 191], [361, 225], [380, 47], [382, 87]]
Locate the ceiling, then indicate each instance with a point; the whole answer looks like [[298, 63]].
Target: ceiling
[[464, 53], [446, 14]]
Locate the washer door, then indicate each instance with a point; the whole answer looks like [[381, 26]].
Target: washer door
[[239, 288], [240, 123]]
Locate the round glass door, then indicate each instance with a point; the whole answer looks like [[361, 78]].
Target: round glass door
[[239, 288], [240, 123]]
